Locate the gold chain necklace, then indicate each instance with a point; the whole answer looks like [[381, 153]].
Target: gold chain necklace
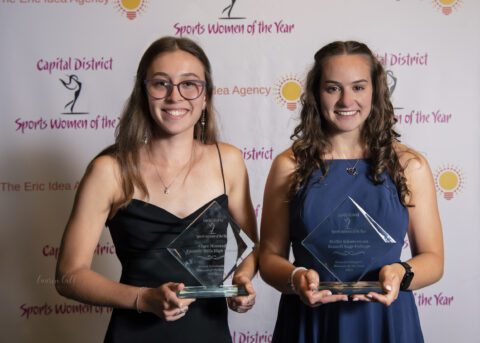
[[166, 188]]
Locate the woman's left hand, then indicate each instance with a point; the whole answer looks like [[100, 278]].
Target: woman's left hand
[[390, 277], [242, 304]]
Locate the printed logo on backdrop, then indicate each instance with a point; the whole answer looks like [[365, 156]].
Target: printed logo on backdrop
[[131, 8], [416, 60], [228, 11], [56, 2], [69, 114], [288, 91], [73, 84], [392, 84], [447, 6], [45, 309], [439, 299], [102, 249], [128, 8], [257, 154], [449, 181], [252, 337], [231, 24]]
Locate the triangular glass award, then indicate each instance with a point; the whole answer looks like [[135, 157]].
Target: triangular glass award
[[211, 248], [348, 242]]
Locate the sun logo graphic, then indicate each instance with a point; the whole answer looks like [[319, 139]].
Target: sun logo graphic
[[446, 6], [288, 91], [449, 180], [130, 8]]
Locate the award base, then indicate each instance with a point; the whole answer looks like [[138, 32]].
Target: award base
[[212, 291], [349, 288]]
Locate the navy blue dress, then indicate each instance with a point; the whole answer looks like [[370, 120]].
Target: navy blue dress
[[347, 322]]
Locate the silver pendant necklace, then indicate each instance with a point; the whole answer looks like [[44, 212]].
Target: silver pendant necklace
[[352, 170]]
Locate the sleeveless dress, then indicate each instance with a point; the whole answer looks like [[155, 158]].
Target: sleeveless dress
[[141, 233], [347, 322]]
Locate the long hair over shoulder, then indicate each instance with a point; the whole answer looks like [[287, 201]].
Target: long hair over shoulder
[[136, 123], [310, 137]]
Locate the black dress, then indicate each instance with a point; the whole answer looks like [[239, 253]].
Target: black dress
[[141, 232]]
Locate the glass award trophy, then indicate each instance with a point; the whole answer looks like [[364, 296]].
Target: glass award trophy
[[348, 243], [211, 248]]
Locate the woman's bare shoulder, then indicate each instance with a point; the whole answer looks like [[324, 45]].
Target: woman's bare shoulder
[[411, 160], [285, 161]]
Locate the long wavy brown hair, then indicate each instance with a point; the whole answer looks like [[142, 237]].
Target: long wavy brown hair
[[136, 123], [311, 139]]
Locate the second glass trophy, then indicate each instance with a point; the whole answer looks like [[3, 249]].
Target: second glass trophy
[[348, 243], [211, 248]]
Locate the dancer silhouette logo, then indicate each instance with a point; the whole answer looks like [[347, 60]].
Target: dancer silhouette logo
[[73, 84], [392, 84], [227, 11]]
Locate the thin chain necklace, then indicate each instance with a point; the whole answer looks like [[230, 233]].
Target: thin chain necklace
[[166, 188]]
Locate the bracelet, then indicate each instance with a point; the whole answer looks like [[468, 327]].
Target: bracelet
[[139, 294], [290, 281]]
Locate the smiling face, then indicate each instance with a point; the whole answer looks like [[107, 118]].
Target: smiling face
[[174, 114], [346, 93]]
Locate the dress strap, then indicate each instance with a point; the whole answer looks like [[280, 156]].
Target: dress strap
[[221, 168]]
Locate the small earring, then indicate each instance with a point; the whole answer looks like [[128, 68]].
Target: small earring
[[145, 139], [203, 121]]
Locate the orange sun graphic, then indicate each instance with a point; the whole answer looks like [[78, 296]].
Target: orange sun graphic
[[447, 6], [288, 91], [449, 180], [130, 8]]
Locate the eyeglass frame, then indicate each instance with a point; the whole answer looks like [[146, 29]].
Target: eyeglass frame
[[171, 85]]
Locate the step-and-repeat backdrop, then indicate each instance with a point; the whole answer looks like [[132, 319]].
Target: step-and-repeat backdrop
[[67, 67]]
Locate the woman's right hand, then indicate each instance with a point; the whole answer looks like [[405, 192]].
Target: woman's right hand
[[306, 284], [163, 301]]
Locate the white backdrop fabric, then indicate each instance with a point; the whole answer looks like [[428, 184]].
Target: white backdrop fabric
[[68, 66]]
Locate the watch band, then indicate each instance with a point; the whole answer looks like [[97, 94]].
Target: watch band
[[407, 277]]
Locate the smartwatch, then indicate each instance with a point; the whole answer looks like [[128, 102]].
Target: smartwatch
[[407, 278]]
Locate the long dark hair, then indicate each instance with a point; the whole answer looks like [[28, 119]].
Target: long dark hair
[[310, 137], [136, 123]]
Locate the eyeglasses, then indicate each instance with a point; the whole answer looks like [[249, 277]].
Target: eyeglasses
[[161, 89]]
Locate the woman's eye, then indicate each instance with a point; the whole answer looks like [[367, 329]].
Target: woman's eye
[[160, 83], [332, 89], [188, 84]]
